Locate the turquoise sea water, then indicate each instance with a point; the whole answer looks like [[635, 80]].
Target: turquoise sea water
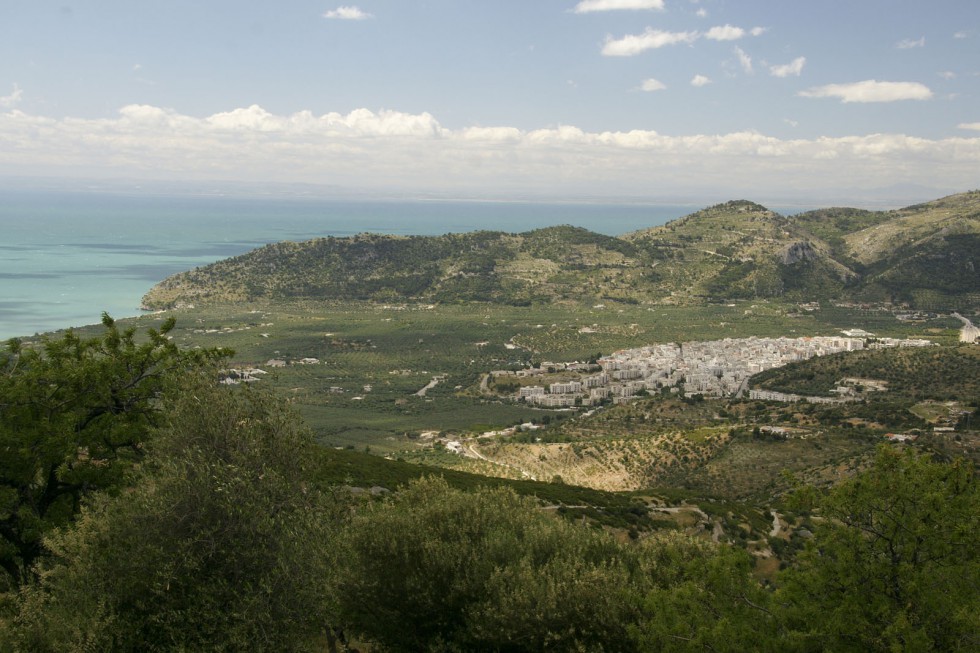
[[66, 257]]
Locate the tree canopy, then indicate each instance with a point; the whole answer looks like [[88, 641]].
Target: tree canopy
[[222, 545], [74, 416], [895, 561]]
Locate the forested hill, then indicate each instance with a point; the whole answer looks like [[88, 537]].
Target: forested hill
[[927, 255]]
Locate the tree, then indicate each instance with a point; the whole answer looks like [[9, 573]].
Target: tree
[[74, 413], [221, 546], [434, 569], [705, 599], [894, 561]]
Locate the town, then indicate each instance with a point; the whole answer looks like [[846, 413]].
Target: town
[[715, 368]]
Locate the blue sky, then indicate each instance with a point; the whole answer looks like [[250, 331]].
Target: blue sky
[[632, 99]]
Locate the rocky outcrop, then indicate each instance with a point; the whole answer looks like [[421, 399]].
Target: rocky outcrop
[[797, 252]]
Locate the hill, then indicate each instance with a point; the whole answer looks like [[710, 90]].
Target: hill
[[925, 256], [929, 373], [741, 250]]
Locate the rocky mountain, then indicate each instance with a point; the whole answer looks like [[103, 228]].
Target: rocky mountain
[[926, 255]]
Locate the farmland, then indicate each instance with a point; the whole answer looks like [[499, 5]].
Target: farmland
[[372, 359]]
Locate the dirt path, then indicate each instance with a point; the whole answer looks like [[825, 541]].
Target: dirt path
[[777, 526], [470, 451], [716, 530], [433, 383]]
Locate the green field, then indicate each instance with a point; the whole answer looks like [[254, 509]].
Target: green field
[[398, 349]]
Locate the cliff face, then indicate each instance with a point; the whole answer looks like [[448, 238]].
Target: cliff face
[[798, 252], [927, 255]]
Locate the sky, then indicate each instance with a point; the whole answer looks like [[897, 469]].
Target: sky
[[805, 100]]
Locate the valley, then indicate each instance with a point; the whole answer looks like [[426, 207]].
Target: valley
[[689, 384], [454, 352]]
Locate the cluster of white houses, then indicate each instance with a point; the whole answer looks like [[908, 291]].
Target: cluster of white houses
[[715, 368]]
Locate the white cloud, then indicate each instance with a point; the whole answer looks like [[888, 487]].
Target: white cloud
[[871, 91], [589, 6], [725, 33], [347, 13], [492, 134], [758, 31], [791, 69], [947, 74], [652, 84], [744, 59], [908, 44], [975, 126], [701, 13], [700, 80], [12, 100], [961, 35], [633, 44], [395, 151]]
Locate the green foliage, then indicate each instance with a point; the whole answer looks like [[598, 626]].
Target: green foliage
[[914, 373], [74, 414], [947, 265], [222, 545], [705, 600], [436, 569], [894, 562]]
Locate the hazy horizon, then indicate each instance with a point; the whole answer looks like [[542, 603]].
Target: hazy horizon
[[593, 100]]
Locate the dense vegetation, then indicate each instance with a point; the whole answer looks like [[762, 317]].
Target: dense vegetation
[[925, 256], [227, 532], [74, 413], [938, 373]]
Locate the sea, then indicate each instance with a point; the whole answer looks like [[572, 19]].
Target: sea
[[65, 257]]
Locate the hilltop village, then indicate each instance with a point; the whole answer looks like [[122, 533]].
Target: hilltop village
[[715, 368]]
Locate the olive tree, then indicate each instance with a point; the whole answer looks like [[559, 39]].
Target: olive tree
[[222, 545]]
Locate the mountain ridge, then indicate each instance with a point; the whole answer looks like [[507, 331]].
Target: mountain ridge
[[925, 256]]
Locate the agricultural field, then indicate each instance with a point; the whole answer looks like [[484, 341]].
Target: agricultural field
[[372, 360]]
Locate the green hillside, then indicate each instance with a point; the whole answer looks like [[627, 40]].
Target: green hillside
[[924, 256], [933, 373]]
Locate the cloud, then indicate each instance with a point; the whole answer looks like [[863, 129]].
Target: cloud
[[871, 91], [758, 31], [947, 74], [725, 33], [975, 126], [961, 35], [908, 44], [791, 69], [700, 80], [590, 6], [652, 84], [744, 60], [633, 44], [701, 13], [347, 13], [12, 100], [491, 134], [394, 151]]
